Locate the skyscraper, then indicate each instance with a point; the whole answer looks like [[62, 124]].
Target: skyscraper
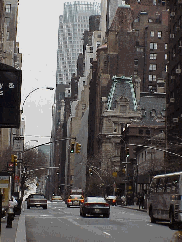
[[72, 23]]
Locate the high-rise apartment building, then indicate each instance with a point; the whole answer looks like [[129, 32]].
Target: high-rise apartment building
[[72, 24]]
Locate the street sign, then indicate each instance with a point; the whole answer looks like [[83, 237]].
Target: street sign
[[10, 96], [18, 144]]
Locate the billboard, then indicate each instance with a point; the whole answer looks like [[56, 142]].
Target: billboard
[[10, 96]]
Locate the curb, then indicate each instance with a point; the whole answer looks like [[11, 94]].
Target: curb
[[21, 229], [141, 210]]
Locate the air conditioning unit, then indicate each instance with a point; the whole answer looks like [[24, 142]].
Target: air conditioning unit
[[175, 120], [178, 70], [172, 100], [172, 14], [172, 77], [172, 36]]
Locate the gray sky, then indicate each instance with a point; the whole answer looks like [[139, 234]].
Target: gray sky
[[38, 22]]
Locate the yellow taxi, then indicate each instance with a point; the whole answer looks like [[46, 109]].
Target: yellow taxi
[[74, 200]]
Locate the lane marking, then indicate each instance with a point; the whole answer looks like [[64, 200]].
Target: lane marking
[[106, 233]]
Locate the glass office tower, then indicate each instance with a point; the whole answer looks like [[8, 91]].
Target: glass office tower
[[72, 24]]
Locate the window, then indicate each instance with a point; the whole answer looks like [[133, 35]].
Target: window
[[153, 56], [165, 46], [153, 113], [152, 33], [153, 186], [159, 34], [7, 36], [143, 112], [153, 46], [147, 132], [161, 186], [115, 128], [91, 49], [152, 78], [154, 2], [8, 8], [153, 67], [165, 56], [122, 108], [172, 184], [140, 131], [83, 106], [135, 73], [91, 59], [136, 62]]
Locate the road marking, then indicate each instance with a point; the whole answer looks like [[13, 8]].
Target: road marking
[[107, 233], [149, 224]]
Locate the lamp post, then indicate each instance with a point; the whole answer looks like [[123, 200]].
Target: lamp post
[[126, 172], [49, 88]]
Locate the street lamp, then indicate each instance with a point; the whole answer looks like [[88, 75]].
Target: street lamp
[[49, 88]]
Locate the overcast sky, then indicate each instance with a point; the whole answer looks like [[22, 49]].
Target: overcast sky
[[38, 22]]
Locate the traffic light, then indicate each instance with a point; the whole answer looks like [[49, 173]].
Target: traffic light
[[90, 172], [127, 152], [78, 147], [72, 150], [14, 159]]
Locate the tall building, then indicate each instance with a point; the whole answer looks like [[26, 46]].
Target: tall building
[[173, 85], [72, 24]]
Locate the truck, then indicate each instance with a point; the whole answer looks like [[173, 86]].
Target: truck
[[5, 189]]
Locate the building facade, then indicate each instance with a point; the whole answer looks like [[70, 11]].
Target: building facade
[[174, 86], [72, 24]]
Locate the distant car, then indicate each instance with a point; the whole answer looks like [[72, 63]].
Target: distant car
[[56, 199], [75, 200], [95, 206], [111, 200], [36, 200]]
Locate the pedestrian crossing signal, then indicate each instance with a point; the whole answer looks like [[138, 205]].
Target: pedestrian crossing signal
[[72, 150]]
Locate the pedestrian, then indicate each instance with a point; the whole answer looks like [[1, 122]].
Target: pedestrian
[[141, 200]]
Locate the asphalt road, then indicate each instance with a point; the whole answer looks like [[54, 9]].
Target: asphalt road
[[59, 223]]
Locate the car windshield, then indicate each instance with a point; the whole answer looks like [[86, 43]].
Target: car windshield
[[37, 196], [76, 196], [111, 197], [95, 200]]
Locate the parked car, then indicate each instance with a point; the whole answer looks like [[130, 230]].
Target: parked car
[[111, 200], [56, 199], [75, 200], [95, 206], [36, 200]]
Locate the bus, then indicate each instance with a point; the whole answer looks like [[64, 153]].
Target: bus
[[165, 198]]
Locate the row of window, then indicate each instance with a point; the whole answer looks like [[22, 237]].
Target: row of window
[[159, 34], [163, 2], [165, 184], [153, 112]]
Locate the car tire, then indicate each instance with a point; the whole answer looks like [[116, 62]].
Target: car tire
[[68, 206], [83, 214], [106, 215], [28, 207], [45, 207]]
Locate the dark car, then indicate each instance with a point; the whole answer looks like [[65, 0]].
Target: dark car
[[95, 206], [111, 200], [36, 200]]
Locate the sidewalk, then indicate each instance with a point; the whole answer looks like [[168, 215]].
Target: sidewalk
[[9, 234], [18, 232], [135, 207]]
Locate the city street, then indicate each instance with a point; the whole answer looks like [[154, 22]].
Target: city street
[[59, 222]]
